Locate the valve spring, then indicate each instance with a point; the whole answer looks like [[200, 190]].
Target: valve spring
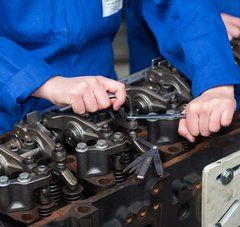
[[187, 145], [120, 175], [73, 195], [46, 210], [128, 157], [55, 188]]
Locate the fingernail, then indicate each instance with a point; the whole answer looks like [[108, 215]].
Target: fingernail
[[190, 138]]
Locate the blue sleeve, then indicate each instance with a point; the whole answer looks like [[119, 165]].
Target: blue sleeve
[[140, 38], [231, 7], [21, 73], [192, 37]]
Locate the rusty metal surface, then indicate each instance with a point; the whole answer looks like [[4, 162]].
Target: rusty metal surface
[[89, 211]]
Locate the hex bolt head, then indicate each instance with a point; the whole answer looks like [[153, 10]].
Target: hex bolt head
[[133, 134], [81, 147], [58, 147], [118, 136], [106, 128], [101, 144], [4, 181], [42, 169], [24, 177], [227, 176]]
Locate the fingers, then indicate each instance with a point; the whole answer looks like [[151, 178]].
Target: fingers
[[183, 130], [115, 87], [231, 19], [90, 101], [232, 25], [78, 107], [100, 94], [215, 121], [192, 119], [228, 113], [233, 31], [204, 121]]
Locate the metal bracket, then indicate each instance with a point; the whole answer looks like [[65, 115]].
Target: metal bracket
[[220, 192]]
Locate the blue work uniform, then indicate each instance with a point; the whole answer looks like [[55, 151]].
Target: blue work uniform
[[191, 36], [43, 38]]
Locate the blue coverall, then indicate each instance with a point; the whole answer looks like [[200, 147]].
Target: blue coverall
[[43, 38], [188, 42]]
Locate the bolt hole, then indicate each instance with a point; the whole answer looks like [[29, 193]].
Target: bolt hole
[[183, 211], [129, 218], [155, 190], [69, 160], [173, 149], [84, 209], [143, 212], [27, 217], [156, 206], [105, 181]]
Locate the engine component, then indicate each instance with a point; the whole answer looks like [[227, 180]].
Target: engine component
[[61, 169]]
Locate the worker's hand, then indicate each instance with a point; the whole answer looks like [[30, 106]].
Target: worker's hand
[[232, 25], [84, 94], [207, 113]]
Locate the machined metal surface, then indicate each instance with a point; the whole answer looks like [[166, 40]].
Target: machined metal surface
[[61, 169]]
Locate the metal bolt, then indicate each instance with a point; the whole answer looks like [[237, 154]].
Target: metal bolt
[[101, 144], [42, 169], [227, 176], [29, 160], [118, 136], [106, 128], [24, 177], [81, 147], [170, 111], [58, 147], [133, 134], [28, 140], [61, 165], [4, 181]]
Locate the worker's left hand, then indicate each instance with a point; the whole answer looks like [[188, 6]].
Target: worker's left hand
[[232, 25], [208, 113]]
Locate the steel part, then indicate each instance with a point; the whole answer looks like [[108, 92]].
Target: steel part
[[85, 185], [227, 176], [87, 163], [220, 186], [4, 181], [55, 189], [24, 177], [12, 194], [73, 195], [172, 116]]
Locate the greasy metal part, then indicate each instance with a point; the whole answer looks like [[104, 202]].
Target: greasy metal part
[[61, 169], [142, 164], [74, 128], [172, 116], [13, 191], [87, 163]]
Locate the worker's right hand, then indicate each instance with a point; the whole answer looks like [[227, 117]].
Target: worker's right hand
[[208, 113], [232, 25], [84, 94]]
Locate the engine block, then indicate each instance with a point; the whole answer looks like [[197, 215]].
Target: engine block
[[61, 169]]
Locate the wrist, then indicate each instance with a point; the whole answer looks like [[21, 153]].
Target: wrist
[[45, 91], [227, 90]]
